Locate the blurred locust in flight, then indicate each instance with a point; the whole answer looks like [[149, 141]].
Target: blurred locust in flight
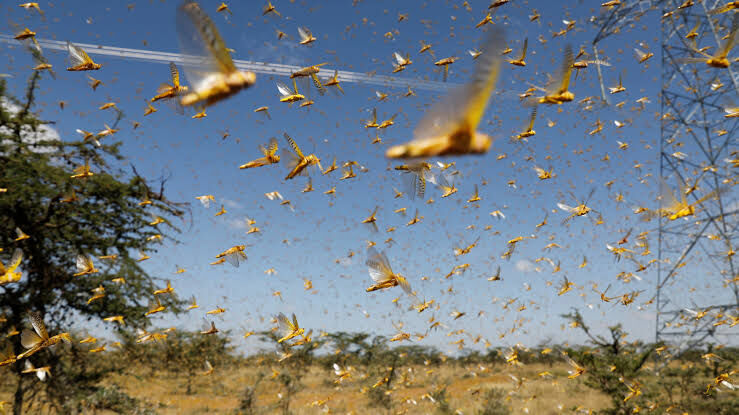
[[38, 338], [450, 126], [80, 60], [288, 95], [270, 156], [417, 175], [720, 58], [672, 208], [9, 274], [582, 209], [382, 273], [298, 162], [167, 91], [312, 72], [234, 255], [288, 329], [212, 74], [558, 92]]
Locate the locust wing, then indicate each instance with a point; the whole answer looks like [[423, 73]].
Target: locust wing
[[204, 49], [464, 107]]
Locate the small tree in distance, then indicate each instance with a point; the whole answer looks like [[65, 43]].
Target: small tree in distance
[[612, 366]]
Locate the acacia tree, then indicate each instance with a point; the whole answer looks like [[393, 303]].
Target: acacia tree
[[611, 363], [97, 215]]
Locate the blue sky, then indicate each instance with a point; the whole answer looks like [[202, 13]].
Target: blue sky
[[322, 228]]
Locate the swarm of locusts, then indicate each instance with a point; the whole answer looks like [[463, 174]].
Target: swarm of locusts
[[453, 132]]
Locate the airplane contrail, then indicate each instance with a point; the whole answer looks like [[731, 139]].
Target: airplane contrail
[[258, 67]]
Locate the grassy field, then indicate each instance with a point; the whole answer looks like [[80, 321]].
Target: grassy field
[[466, 387], [169, 377]]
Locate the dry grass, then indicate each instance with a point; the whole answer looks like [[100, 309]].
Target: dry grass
[[465, 386]]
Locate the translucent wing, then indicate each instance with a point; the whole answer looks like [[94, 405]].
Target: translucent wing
[[283, 89], [284, 324], [405, 286], [272, 149], [205, 325], [398, 58], [82, 263], [200, 40], [465, 106], [525, 46], [732, 36], [163, 87], [289, 158], [233, 260], [564, 72], [317, 83], [379, 266], [275, 195], [414, 184], [175, 74], [566, 208], [533, 118], [263, 150], [295, 322], [294, 146], [235, 257], [711, 195], [76, 55], [304, 33], [667, 200], [15, 261], [30, 339], [304, 86], [571, 362], [38, 324]]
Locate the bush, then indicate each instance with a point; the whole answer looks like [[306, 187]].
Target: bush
[[494, 403]]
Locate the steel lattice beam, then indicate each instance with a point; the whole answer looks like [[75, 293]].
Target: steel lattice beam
[[618, 17], [693, 99]]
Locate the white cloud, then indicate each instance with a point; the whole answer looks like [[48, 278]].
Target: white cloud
[[231, 204], [43, 132], [525, 265], [237, 224]]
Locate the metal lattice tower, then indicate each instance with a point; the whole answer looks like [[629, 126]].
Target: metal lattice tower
[[693, 122], [695, 251]]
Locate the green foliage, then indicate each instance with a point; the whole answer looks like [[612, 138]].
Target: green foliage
[[248, 401], [685, 386], [441, 398], [367, 350], [182, 352], [112, 399], [611, 365], [379, 398], [294, 364], [65, 216], [494, 403]]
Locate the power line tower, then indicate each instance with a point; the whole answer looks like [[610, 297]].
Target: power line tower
[[697, 147], [697, 154], [612, 21]]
